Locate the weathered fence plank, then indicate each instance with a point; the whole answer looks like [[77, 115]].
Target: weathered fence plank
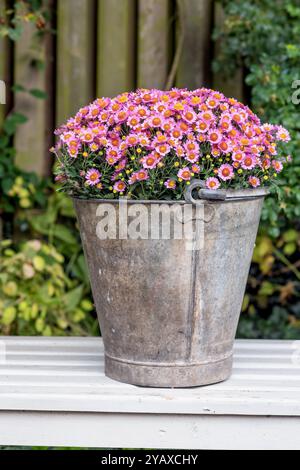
[[116, 46], [30, 137], [105, 47], [194, 23], [75, 56], [153, 43], [233, 86]]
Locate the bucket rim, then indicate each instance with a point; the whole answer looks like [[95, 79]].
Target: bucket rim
[[232, 195]]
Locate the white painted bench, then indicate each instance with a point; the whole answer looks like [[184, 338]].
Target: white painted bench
[[53, 392]]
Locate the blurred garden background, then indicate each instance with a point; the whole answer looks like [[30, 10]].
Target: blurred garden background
[[58, 55]]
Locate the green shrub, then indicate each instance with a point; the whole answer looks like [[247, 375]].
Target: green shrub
[[262, 37], [36, 295]]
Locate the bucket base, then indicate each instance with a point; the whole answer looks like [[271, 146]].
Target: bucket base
[[168, 376]]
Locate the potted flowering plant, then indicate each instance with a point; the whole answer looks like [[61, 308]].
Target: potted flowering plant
[[168, 308]]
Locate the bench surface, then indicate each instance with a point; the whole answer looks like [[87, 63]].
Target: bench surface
[[53, 391]]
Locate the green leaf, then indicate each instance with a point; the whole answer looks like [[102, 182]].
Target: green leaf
[[9, 315], [17, 88], [290, 235], [13, 121], [40, 94], [72, 299], [7, 184], [64, 234], [290, 248]]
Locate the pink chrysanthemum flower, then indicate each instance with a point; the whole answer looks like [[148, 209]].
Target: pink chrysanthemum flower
[[238, 117], [191, 146], [94, 110], [142, 111], [265, 163], [248, 162], [225, 123], [225, 146], [202, 126], [225, 172], [254, 149], [93, 177], [267, 127], [133, 121], [212, 183], [112, 156], [212, 103], [254, 181], [159, 138], [179, 150], [196, 168], [272, 149], [132, 179], [73, 151], [144, 140], [176, 133], [214, 136], [150, 161], [94, 147], [207, 116], [215, 151], [121, 116], [131, 140], [277, 166], [163, 148], [192, 157], [238, 156], [170, 184], [119, 186], [73, 141], [189, 115], [65, 136], [184, 174], [87, 136], [142, 175], [155, 121]]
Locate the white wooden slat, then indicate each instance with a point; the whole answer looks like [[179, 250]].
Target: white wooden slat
[[154, 431], [59, 344], [76, 382], [258, 344], [245, 404], [67, 374]]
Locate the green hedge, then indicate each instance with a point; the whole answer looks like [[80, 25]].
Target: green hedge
[[262, 37]]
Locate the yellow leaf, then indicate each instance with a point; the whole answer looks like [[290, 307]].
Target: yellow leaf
[[9, 315], [39, 263]]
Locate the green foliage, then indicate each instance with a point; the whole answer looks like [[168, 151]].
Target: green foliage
[[20, 12], [17, 188], [271, 307], [53, 281], [263, 36], [44, 286], [56, 224], [37, 297]]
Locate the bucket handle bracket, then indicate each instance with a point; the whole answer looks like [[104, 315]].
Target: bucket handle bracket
[[203, 193]]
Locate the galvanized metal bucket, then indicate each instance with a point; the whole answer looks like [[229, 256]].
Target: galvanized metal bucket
[[168, 314]]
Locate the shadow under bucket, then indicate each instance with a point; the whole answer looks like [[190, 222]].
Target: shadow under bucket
[[169, 308]]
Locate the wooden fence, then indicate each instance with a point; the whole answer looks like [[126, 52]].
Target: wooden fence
[[101, 48]]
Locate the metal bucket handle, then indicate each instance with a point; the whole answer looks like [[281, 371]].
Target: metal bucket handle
[[206, 194], [219, 194]]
